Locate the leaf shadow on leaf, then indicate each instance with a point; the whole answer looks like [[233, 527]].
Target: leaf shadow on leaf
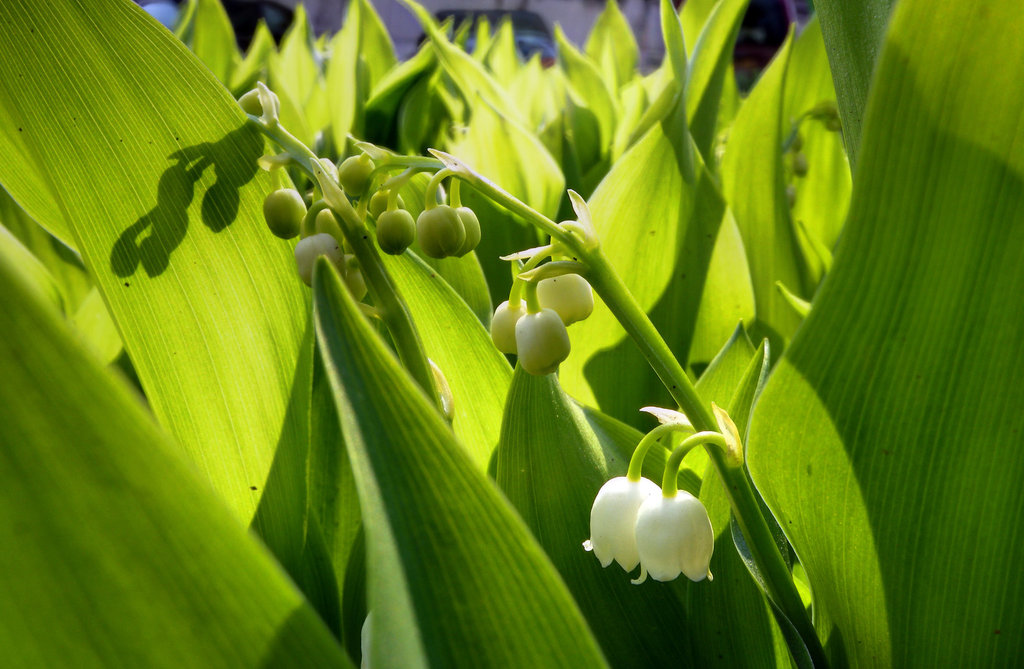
[[233, 159]]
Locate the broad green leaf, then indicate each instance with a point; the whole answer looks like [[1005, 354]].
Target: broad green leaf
[[361, 55], [383, 104], [612, 46], [299, 70], [457, 342], [114, 553], [733, 616], [454, 576], [470, 76], [711, 62], [77, 296], [32, 271], [752, 181], [163, 198], [853, 33], [823, 195], [292, 111], [550, 465], [253, 66], [501, 57], [593, 102], [694, 17], [423, 115], [96, 329], [212, 39], [677, 250], [887, 441]]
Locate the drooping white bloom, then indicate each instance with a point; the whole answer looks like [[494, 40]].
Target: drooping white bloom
[[613, 520], [673, 535]]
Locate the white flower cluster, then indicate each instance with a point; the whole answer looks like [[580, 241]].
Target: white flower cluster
[[632, 523]]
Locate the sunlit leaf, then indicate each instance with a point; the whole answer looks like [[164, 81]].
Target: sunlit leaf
[[612, 46], [454, 576], [551, 465], [887, 439], [113, 550], [163, 199], [752, 181]]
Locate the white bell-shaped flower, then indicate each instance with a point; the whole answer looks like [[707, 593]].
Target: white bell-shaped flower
[[673, 535], [613, 520]]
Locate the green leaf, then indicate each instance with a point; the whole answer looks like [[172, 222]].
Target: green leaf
[[823, 194], [114, 553], [457, 342], [550, 465], [33, 272], [711, 62], [501, 57], [455, 578], [853, 33], [212, 39], [612, 46], [253, 66], [592, 101], [887, 441], [382, 107], [163, 200], [361, 55], [752, 181], [678, 252], [733, 615]]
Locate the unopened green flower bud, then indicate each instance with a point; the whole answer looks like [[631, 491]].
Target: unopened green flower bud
[[440, 231], [379, 203], [283, 210], [542, 342], [472, 225], [569, 294], [503, 325], [395, 231], [326, 223], [354, 174]]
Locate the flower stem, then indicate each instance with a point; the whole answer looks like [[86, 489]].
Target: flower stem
[[778, 580], [670, 481], [390, 306]]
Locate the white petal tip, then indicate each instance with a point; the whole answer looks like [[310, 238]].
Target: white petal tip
[[668, 416], [587, 546]]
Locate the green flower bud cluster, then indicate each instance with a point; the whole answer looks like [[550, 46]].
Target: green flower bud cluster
[[540, 338]]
